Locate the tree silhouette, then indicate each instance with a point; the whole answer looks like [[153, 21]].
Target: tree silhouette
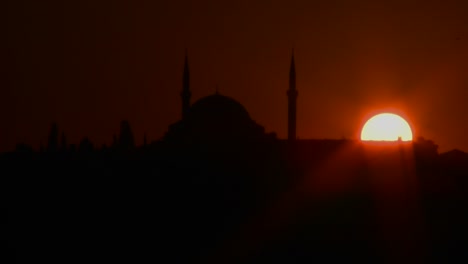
[[52, 143], [126, 140], [85, 146]]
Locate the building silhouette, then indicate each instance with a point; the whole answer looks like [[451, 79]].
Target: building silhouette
[[214, 118], [217, 117]]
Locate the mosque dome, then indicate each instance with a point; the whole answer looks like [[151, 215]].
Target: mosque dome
[[216, 118], [218, 108]]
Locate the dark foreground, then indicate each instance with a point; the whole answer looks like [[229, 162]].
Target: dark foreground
[[322, 201]]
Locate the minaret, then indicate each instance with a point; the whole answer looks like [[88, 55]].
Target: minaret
[[185, 94], [292, 98]]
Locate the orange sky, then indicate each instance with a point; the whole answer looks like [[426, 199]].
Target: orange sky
[[89, 65]]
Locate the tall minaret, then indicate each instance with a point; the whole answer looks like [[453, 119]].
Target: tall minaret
[[292, 97], [185, 94]]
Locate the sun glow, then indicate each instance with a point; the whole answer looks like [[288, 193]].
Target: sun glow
[[386, 127]]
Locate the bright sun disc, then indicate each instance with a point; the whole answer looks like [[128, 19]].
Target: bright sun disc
[[386, 127]]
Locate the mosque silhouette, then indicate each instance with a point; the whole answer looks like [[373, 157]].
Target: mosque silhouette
[[217, 117]]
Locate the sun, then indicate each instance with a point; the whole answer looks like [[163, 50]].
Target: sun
[[386, 127]]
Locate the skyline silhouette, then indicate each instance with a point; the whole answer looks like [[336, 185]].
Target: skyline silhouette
[[185, 95], [212, 104], [88, 67], [244, 132]]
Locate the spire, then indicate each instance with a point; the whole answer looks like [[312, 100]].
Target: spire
[[292, 98], [185, 94], [186, 69], [292, 73]]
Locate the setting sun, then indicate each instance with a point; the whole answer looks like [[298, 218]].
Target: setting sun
[[386, 127]]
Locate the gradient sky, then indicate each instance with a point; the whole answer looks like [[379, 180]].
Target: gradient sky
[[89, 64]]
